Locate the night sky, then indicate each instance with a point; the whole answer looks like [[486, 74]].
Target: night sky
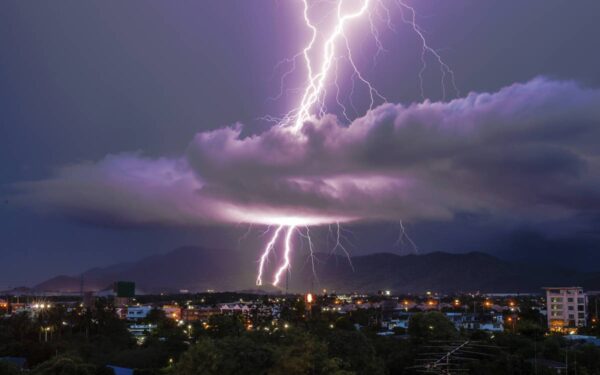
[[122, 136]]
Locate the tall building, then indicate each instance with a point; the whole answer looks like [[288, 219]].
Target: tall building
[[124, 291], [567, 308]]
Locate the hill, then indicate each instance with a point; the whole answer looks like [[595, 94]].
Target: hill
[[199, 269]]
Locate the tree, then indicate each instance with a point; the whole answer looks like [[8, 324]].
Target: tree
[[225, 325], [64, 365], [431, 326], [244, 356], [7, 368], [300, 354], [530, 329], [354, 348], [203, 358], [397, 354]]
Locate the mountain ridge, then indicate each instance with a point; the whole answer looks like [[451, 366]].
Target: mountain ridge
[[199, 269]]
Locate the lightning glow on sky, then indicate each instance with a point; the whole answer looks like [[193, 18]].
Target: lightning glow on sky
[[320, 57]]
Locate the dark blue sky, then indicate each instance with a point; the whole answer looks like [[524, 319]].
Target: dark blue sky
[[80, 80]]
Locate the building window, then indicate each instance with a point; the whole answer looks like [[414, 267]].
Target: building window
[[570, 308], [569, 299]]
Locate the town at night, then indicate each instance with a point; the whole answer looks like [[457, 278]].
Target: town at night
[[310, 187]]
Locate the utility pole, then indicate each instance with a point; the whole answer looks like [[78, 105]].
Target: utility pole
[[287, 281], [535, 370], [567, 360]]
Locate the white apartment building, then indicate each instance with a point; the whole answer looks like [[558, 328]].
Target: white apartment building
[[567, 308], [138, 312]]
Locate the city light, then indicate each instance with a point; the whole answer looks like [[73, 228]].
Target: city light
[[309, 298]]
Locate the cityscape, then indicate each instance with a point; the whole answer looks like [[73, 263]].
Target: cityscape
[[299, 187], [551, 331]]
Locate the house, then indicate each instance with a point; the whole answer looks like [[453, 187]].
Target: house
[[19, 362], [138, 312], [484, 322], [172, 311], [121, 370]]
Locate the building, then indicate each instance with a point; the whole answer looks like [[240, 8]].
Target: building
[[138, 312], [19, 362], [567, 309], [141, 331], [124, 292], [89, 300], [490, 322], [584, 339], [197, 313], [121, 370], [234, 308], [172, 311]]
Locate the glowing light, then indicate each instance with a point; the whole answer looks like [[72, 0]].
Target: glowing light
[[286, 255], [266, 253], [309, 298]]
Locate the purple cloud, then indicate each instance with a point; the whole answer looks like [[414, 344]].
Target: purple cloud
[[527, 150]]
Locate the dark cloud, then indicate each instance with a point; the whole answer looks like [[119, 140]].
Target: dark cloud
[[528, 150]]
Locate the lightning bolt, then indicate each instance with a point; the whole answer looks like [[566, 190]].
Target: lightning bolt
[[425, 49], [404, 235], [265, 255], [339, 237], [286, 255], [321, 62], [314, 92], [311, 250], [336, 41]]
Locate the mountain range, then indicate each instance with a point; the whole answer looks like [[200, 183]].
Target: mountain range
[[199, 269]]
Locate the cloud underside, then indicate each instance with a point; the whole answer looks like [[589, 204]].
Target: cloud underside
[[529, 149]]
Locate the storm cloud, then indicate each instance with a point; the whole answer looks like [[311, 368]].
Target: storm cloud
[[528, 150]]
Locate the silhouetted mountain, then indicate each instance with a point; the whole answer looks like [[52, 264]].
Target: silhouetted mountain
[[192, 268], [444, 272], [200, 269]]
